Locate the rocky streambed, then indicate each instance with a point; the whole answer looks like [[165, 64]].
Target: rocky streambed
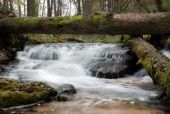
[[55, 72]]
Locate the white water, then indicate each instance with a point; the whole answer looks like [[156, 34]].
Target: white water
[[70, 64]]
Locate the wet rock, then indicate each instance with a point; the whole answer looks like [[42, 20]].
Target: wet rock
[[67, 89], [114, 66], [64, 97], [66, 92]]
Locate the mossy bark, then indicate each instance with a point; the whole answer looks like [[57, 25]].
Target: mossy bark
[[156, 64], [132, 24]]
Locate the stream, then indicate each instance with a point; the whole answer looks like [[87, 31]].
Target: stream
[[75, 63]]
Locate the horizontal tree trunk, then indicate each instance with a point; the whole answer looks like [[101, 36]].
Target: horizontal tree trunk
[[156, 64], [132, 24]]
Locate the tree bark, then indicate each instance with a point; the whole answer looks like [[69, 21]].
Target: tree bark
[[158, 4], [19, 10], [32, 8], [87, 9], [78, 7], [50, 4], [132, 24], [156, 64]]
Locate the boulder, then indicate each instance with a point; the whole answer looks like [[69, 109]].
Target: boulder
[[115, 66], [15, 93]]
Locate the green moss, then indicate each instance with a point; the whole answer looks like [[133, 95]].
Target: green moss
[[99, 18], [14, 93], [28, 21], [146, 37]]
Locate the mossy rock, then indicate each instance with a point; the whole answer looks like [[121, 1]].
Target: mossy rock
[[15, 93]]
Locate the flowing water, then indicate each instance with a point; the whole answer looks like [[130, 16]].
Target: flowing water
[[57, 64]]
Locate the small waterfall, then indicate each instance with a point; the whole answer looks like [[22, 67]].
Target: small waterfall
[[75, 64], [85, 59]]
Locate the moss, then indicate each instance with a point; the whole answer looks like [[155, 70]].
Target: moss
[[77, 18], [4, 10], [146, 37], [28, 21], [154, 62], [99, 18], [166, 19], [14, 93]]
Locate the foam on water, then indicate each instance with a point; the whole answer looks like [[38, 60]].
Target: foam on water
[[70, 63]]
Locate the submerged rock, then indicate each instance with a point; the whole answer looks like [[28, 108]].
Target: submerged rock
[[15, 93]]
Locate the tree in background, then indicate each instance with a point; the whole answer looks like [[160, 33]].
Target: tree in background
[[86, 8], [32, 8]]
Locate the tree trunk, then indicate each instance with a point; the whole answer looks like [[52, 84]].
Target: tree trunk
[[158, 4], [43, 8], [50, 4], [79, 7], [25, 14], [19, 10], [55, 8], [132, 24], [156, 64], [87, 9], [59, 8], [11, 5], [32, 8]]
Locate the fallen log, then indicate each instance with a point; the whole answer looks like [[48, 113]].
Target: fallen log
[[132, 24], [156, 64]]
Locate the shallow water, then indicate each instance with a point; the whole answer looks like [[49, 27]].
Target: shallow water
[[57, 64]]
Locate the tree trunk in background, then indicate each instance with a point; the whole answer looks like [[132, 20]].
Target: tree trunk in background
[[59, 8], [109, 6], [32, 8], [49, 7], [55, 8], [87, 9], [78, 7], [43, 8], [25, 13], [11, 6], [19, 9], [158, 4], [0, 4]]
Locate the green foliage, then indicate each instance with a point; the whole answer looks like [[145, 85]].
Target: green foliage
[[166, 5], [146, 37]]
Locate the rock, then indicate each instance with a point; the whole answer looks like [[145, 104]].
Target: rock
[[64, 97], [66, 92], [114, 66], [67, 89], [15, 93]]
